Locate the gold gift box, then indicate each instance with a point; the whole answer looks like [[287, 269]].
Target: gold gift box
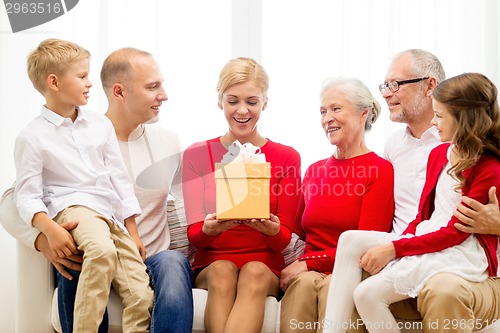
[[242, 190]]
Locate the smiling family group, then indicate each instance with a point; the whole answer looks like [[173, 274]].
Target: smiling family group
[[410, 235]]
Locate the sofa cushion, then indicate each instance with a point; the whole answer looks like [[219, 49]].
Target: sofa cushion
[[177, 225], [294, 249]]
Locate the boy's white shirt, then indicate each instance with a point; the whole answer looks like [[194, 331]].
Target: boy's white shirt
[[61, 163], [166, 153]]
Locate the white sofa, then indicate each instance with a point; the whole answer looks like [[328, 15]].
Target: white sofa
[[271, 318]]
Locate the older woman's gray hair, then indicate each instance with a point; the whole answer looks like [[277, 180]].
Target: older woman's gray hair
[[358, 94]]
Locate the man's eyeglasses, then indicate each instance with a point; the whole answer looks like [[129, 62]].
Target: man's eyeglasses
[[394, 85]]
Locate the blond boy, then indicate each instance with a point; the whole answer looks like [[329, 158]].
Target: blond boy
[[69, 168]]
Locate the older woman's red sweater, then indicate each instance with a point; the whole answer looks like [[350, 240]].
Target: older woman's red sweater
[[338, 195]]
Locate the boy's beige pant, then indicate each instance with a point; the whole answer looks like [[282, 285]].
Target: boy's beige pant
[[110, 257]]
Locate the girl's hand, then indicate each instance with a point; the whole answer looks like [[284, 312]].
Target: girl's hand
[[377, 258]]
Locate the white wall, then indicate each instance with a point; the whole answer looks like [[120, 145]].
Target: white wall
[[13, 116], [299, 43]]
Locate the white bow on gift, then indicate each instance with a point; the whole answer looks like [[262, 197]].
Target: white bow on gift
[[243, 153]]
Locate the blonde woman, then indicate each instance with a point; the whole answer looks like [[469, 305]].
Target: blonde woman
[[239, 262]]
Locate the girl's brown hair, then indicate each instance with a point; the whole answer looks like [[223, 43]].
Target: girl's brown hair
[[471, 98]]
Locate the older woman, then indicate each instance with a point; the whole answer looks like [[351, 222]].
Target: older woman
[[239, 262], [352, 189]]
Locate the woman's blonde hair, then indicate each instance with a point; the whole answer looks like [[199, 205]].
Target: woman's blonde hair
[[241, 70], [471, 99], [53, 56]]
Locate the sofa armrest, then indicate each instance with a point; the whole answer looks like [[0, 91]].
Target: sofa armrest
[[35, 286]]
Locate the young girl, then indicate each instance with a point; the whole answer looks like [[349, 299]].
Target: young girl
[[467, 118]]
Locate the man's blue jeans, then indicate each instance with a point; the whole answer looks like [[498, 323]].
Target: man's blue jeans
[[171, 278]]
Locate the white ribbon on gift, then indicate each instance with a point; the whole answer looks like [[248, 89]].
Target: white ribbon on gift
[[243, 153]]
